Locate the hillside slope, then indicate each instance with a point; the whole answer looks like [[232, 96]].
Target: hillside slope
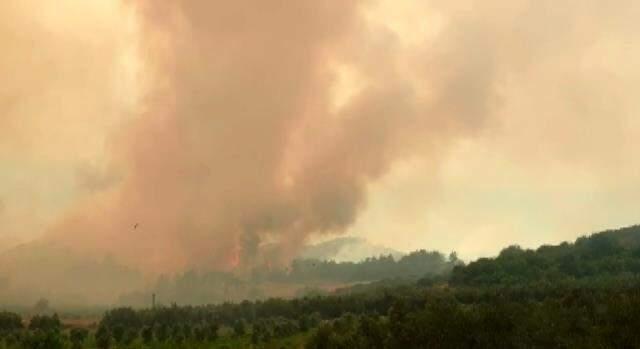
[[608, 255]]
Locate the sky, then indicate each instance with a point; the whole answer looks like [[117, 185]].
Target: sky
[[193, 132]]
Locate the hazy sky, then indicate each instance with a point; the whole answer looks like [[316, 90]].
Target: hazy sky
[[224, 128]]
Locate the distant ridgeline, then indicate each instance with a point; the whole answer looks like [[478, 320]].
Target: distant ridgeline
[[415, 265], [604, 257], [303, 275]]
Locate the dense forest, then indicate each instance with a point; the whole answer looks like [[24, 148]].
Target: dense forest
[[604, 257], [584, 294]]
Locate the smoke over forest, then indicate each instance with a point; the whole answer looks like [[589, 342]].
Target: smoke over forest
[[225, 135]]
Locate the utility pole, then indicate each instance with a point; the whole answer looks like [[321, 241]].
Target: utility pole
[[153, 301]]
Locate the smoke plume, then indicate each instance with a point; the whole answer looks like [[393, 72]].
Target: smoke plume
[[239, 143], [251, 126]]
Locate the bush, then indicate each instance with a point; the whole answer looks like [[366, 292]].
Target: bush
[[10, 322], [45, 323], [77, 336]]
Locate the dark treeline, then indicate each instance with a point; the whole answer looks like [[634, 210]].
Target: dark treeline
[[559, 316], [497, 318]]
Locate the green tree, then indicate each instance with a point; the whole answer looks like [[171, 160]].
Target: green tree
[[162, 333], [77, 336], [118, 333], [10, 322], [147, 335], [103, 338], [45, 323], [211, 331], [239, 328], [39, 339]]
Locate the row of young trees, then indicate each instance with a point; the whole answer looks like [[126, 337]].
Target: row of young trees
[[552, 316], [46, 332], [42, 332], [577, 318]]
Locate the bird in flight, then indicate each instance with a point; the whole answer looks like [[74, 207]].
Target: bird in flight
[[135, 226]]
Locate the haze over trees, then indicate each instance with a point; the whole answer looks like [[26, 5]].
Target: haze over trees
[[300, 277], [573, 295], [165, 164]]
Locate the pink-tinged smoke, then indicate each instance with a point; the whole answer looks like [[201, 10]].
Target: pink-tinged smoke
[[238, 154], [235, 151]]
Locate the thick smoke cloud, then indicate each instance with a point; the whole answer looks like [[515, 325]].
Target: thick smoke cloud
[[59, 97], [238, 145], [556, 156], [257, 125]]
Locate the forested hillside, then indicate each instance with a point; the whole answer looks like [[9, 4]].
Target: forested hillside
[[601, 257]]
